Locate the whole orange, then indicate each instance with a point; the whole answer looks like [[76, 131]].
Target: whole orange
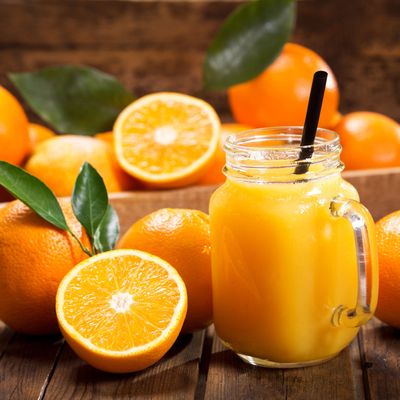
[[335, 120], [369, 140], [279, 96], [57, 162], [106, 136], [14, 137], [182, 238], [214, 174], [388, 242], [38, 134], [34, 256]]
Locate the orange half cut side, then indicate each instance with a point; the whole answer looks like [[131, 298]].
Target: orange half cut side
[[122, 310], [167, 139]]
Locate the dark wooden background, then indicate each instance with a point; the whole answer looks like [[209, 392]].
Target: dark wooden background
[[159, 45]]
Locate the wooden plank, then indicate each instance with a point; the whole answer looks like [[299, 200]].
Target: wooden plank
[[361, 45], [381, 352], [379, 189], [118, 24], [134, 205], [175, 376], [229, 377], [340, 378], [26, 366]]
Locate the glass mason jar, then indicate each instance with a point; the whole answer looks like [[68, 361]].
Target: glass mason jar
[[294, 261]]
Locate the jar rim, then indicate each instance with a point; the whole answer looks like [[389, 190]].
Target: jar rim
[[325, 139]]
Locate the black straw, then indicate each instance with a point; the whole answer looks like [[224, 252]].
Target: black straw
[[312, 118]]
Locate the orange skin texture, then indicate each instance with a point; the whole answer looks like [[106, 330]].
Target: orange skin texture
[[14, 137], [38, 134], [35, 256], [388, 242], [337, 117], [279, 96], [57, 162], [182, 238], [369, 140], [214, 174]]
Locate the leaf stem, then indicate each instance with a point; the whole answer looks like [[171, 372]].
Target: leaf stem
[[84, 249]]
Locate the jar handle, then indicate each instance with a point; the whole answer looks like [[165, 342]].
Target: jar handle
[[358, 215]]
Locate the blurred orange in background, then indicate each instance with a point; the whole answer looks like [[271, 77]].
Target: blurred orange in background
[[215, 175], [369, 140], [57, 162], [106, 136], [279, 96], [14, 137], [38, 134], [388, 242]]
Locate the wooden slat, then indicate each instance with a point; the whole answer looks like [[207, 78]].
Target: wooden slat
[[339, 378], [26, 366], [174, 377], [361, 45], [118, 24], [134, 205], [229, 377], [379, 189], [381, 348]]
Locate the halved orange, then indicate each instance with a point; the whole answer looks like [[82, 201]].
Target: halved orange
[[167, 139], [121, 310]]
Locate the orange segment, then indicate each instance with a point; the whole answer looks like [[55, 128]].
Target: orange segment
[[167, 139], [121, 310]]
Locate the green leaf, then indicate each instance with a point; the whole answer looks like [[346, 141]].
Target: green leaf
[[73, 99], [107, 233], [249, 40], [89, 199], [32, 192]]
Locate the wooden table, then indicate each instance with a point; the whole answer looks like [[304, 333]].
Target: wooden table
[[199, 367]]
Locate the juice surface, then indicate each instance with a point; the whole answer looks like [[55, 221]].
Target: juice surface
[[281, 265]]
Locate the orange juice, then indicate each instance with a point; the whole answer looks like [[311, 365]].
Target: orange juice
[[284, 265]]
